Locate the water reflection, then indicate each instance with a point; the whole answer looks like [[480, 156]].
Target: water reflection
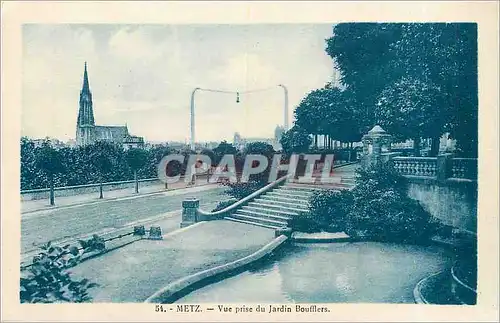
[[315, 273]]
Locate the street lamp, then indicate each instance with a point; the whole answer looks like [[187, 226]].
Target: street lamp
[[191, 144], [285, 108]]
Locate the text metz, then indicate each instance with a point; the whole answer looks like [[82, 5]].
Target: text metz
[[188, 308]]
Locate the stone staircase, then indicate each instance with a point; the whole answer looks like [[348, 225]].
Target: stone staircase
[[276, 207]]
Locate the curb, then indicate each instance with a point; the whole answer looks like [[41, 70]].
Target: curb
[[133, 196], [417, 291], [185, 285], [319, 240]]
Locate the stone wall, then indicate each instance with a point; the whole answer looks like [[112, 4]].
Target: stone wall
[[454, 202]]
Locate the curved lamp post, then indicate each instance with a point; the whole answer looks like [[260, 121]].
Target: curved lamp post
[[192, 139], [285, 123]]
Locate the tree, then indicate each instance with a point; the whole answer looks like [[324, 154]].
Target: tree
[[309, 114], [136, 159], [407, 108], [101, 160], [156, 153], [31, 176], [295, 140], [224, 148], [373, 57], [330, 112], [259, 148], [50, 162]]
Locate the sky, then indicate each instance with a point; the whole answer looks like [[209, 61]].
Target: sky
[[143, 75]]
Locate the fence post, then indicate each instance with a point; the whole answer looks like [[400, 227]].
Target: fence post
[[189, 211], [443, 170]]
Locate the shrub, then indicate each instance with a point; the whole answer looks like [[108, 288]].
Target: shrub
[[329, 209], [224, 204], [47, 280], [378, 208], [382, 210], [241, 190], [305, 222]]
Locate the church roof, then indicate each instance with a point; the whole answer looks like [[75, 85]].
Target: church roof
[[115, 133]]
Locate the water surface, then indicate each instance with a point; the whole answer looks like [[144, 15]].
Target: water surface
[[361, 272]]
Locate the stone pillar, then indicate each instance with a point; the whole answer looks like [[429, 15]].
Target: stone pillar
[[443, 170], [189, 211], [375, 143]]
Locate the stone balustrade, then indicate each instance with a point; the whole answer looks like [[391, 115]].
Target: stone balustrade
[[464, 168], [442, 167], [415, 166]]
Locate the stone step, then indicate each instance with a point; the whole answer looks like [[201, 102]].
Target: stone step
[[258, 219], [287, 203], [230, 218], [270, 205], [290, 194], [301, 187], [285, 198], [267, 213]]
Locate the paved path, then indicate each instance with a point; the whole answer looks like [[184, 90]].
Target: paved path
[[88, 198], [71, 221], [135, 272]]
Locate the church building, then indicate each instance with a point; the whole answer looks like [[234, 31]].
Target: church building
[[86, 130]]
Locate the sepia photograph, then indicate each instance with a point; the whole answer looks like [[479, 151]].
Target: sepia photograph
[[272, 168]]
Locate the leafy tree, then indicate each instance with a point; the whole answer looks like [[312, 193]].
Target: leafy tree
[[31, 175], [259, 148], [101, 160], [331, 112], [374, 57], [136, 159], [50, 162], [224, 148], [156, 153], [407, 108], [210, 153], [309, 114], [295, 140]]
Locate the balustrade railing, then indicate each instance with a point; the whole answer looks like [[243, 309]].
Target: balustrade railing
[[464, 168], [416, 166]]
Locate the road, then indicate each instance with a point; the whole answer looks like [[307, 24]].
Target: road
[[51, 225]]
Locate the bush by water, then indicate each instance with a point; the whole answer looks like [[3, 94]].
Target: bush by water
[[378, 208]]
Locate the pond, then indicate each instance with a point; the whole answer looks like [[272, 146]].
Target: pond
[[358, 272]]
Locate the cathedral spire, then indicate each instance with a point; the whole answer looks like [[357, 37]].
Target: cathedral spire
[[85, 86], [85, 112]]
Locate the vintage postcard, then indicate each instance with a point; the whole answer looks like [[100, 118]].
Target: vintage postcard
[[250, 161]]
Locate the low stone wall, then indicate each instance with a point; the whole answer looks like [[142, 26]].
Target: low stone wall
[[454, 202], [43, 193]]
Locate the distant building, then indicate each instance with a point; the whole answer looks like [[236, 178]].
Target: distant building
[[53, 142], [278, 133], [239, 142], [86, 130]]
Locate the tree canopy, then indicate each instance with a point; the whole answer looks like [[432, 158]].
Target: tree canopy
[[434, 65]]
